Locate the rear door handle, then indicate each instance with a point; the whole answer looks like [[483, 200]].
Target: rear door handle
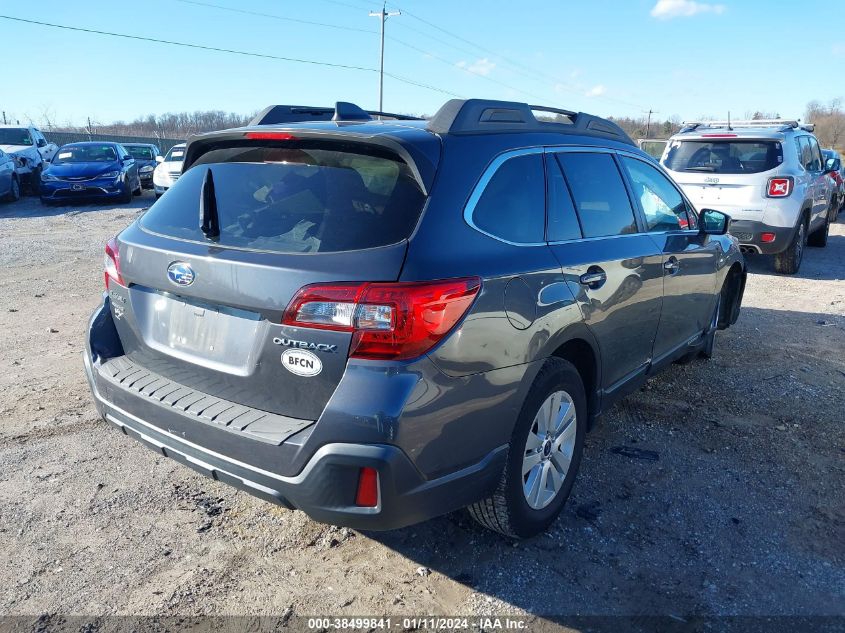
[[594, 279], [672, 265]]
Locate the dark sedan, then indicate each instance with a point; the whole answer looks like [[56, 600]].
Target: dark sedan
[[145, 159], [90, 170]]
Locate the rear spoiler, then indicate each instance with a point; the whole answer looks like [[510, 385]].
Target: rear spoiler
[[422, 155], [342, 111]]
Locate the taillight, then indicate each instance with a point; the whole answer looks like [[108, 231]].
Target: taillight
[[767, 238], [779, 187], [111, 263], [388, 321]]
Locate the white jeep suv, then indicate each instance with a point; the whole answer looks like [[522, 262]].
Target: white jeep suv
[[768, 176]]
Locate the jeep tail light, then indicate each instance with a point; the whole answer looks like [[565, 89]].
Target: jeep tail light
[[388, 321], [767, 238], [111, 263], [779, 187], [367, 493]]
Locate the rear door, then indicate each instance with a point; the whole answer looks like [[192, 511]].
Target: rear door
[[615, 270], [821, 183], [689, 260], [206, 311]]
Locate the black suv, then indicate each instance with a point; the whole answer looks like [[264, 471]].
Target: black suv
[[378, 321]]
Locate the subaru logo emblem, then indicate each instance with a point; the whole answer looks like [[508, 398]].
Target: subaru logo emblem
[[180, 273]]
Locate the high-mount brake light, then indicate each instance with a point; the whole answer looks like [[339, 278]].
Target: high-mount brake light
[[111, 263], [270, 136], [388, 321], [719, 135], [779, 187]]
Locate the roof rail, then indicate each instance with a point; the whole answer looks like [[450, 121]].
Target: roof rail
[[783, 124], [474, 116], [342, 111]]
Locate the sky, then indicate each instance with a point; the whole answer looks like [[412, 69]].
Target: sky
[[679, 58]]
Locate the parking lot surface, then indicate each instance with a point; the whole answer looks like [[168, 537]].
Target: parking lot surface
[[717, 489]]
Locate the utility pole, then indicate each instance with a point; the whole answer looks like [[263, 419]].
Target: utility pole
[[383, 14], [648, 124]]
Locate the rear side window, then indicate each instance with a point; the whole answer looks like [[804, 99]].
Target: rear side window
[[295, 199], [724, 157], [662, 204], [513, 204], [599, 194]]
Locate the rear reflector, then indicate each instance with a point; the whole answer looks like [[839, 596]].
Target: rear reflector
[[111, 263], [779, 187], [767, 237], [270, 136], [367, 495], [388, 321]]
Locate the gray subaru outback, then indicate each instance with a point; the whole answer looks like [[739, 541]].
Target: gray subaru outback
[[378, 320]]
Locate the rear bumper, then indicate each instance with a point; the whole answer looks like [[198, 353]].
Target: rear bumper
[[324, 487], [749, 234]]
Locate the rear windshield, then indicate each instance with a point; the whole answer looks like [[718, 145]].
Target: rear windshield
[[724, 157], [306, 199], [176, 154], [141, 152], [15, 136], [85, 154]]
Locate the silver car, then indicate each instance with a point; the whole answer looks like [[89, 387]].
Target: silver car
[[768, 175]]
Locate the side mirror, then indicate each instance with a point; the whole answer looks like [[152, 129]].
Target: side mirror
[[713, 222], [128, 159], [159, 159], [829, 165], [41, 142]]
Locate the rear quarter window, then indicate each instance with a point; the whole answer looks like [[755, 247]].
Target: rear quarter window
[[513, 204], [295, 199]]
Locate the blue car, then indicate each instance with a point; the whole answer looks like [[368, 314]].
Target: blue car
[[90, 170]]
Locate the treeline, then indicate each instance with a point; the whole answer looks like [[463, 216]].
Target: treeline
[[168, 125], [829, 119]]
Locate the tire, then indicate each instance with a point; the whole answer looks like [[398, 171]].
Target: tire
[[127, 193], [35, 181], [521, 506], [159, 195], [788, 261], [15, 191], [819, 236], [139, 190]]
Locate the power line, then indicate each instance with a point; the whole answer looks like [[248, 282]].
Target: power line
[[516, 64], [396, 40], [278, 17], [230, 51]]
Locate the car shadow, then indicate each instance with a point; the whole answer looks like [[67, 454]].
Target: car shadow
[[817, 264], [703, 514], [31, 206]]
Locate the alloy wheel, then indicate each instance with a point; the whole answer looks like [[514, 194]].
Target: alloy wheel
[[549, 449]]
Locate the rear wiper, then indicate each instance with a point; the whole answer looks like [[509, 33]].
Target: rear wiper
[[209, 219], [702, 168]]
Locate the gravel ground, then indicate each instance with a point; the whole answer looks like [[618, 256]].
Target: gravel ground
[[733, 504]]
